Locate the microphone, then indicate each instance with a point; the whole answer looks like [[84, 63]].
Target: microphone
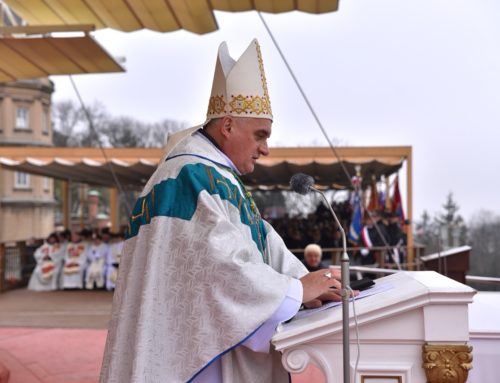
[[302, 183]]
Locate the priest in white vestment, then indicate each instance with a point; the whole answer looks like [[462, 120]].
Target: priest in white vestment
[[204, 281], [49, 259], [75, 262], [97, 254]]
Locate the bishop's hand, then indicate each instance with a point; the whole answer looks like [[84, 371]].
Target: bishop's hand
[[318, 283], [332, 293]]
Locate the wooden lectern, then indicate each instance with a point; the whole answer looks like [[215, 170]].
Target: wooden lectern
[[415, 331]]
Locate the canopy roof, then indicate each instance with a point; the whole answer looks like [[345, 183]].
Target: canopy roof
[[34, 57], [321, 163], [133, 166], [159, 15]]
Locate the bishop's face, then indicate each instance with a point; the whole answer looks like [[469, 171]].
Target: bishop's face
[[247, 142]]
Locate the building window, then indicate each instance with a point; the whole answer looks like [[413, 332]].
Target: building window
[[46, 184], [22, 180], [45, 122], [22, 118]]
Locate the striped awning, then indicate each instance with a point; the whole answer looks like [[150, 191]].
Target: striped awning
[[35, 57], [134, 166], [159, 15], [275, 170]]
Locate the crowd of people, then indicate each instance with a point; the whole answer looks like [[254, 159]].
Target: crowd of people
[[89, 259], [83, 259], [319, 227], [380, 228]]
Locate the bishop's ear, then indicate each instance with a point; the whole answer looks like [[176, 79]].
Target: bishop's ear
[[226, 126]]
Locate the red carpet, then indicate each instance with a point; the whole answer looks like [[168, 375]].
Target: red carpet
[[52, 355], [34, 355]]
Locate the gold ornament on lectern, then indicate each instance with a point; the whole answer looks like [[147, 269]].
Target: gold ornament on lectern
[[445, 363]]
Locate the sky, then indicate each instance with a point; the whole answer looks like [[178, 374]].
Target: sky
[[414, 73]]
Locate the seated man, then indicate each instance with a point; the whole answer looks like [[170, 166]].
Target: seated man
[[312, 257]]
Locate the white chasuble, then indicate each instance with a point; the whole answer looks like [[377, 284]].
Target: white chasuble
[[96, 263], [45, 276], [199, 274], [75, 262]]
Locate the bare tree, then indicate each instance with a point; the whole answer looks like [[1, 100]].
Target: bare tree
[[158, 132], [125, 132], [74, 127], [66, 117], [94, 120]]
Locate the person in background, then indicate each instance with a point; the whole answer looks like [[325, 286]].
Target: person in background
[[113, 260], [97, 253], [75, 259], [49, 258], [396, 238], [373, 234], [64, 237], [312, 257]]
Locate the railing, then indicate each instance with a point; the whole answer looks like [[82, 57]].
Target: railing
[[382, 255], [483, 280], [16, 264], [468, 278]]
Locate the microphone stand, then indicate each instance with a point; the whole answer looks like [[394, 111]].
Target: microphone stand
[[344, 280]]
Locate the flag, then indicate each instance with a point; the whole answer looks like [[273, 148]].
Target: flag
[[355, 228], [397, 203], [373, 203], [388, 202], [381, 199]]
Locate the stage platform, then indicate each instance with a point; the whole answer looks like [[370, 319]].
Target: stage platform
[[53, 337], [55, 309]]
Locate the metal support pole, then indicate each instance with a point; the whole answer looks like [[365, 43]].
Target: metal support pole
[[114, 204], [66, 205], [344, 281], [2, 267], [82, 205], [344, 272]]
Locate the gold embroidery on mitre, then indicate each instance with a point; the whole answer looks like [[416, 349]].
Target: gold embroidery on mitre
[[216, 105], [267, 100], [238, 104], [249, 105]]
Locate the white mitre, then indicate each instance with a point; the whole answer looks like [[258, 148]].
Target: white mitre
[[239, 88]]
